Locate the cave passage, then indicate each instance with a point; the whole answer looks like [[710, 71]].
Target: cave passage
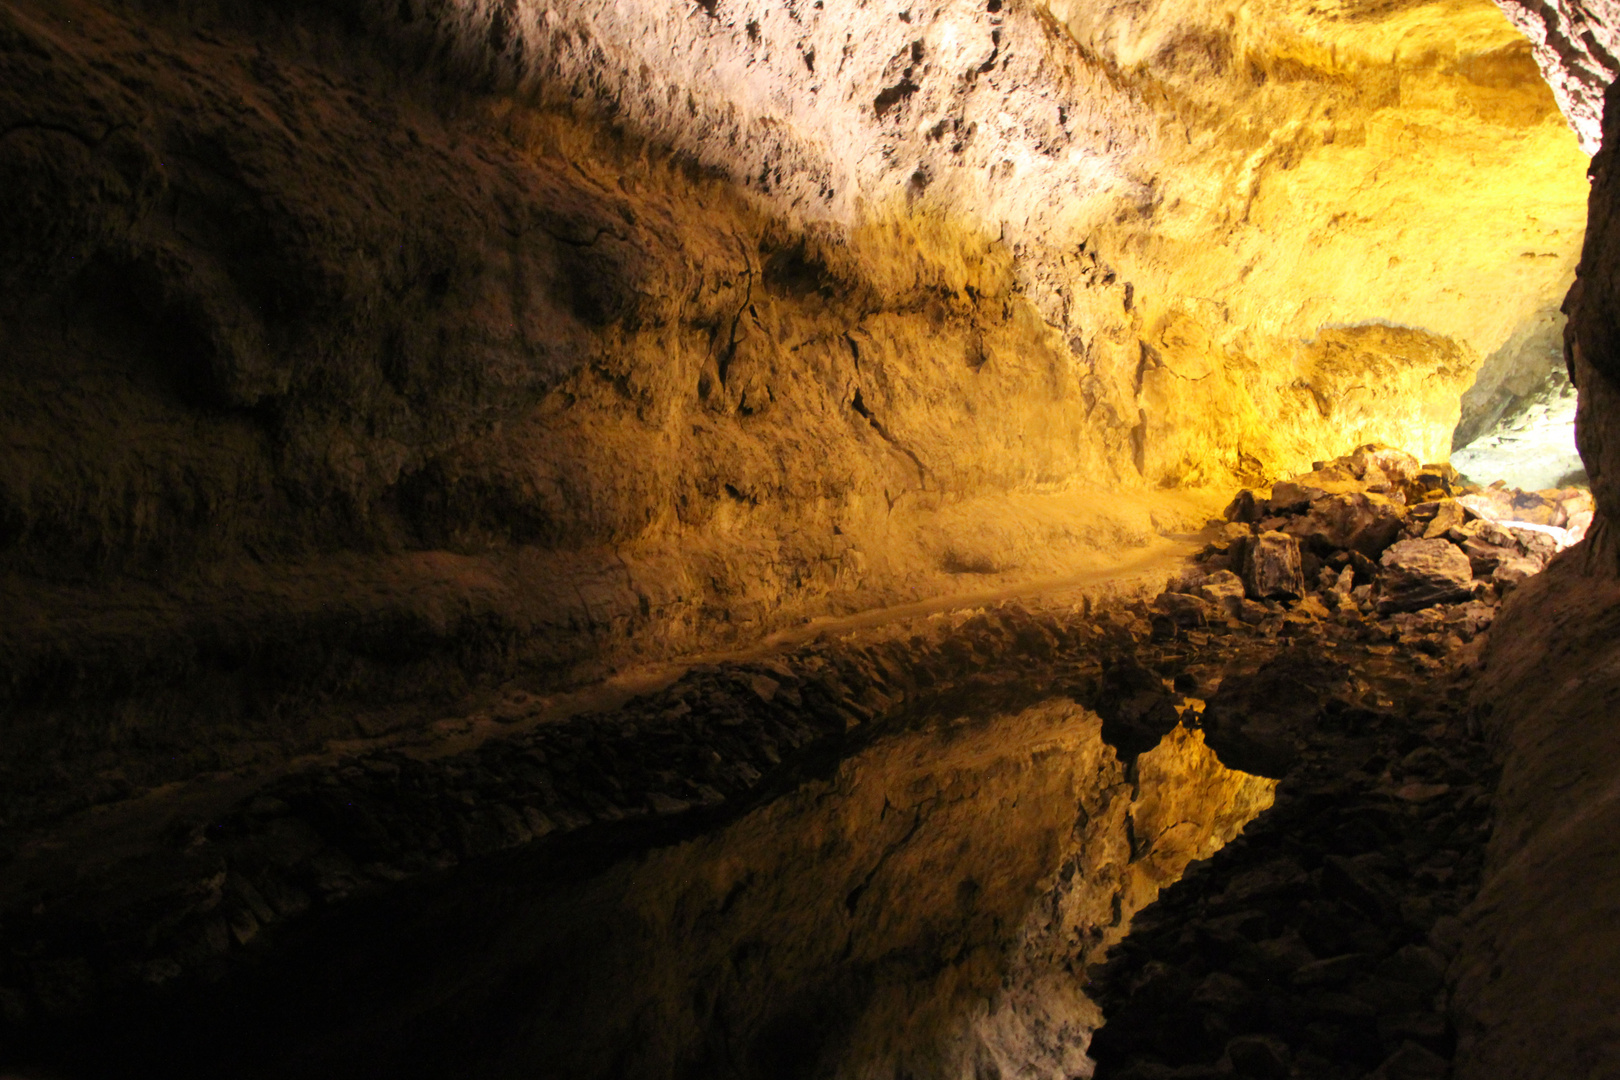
[[895, 851], [624, 540], [1517, 421]]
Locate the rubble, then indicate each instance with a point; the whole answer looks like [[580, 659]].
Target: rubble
[[1317, 943]]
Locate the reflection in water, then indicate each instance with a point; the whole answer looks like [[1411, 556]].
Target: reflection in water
[[926, 912]]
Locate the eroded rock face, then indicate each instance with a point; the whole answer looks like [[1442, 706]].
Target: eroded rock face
[[498, 338], [1576, 43]]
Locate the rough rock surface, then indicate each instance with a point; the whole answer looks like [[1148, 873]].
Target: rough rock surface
[[1271, 567], [1536, 985], [1577, 46], [1421, 573], [360, 355]]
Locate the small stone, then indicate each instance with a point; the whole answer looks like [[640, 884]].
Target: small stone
[[1419, 573]]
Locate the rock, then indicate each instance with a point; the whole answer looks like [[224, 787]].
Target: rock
[[1540, 542], [1490, 504], [1537, 509], [1271, 568], [1579, 523], [1448, 514], [1251, 612], [1484, 557], [1221, 588], [1376, 463], [1359, 521], [1418, 573], [1436, 477], [1184, 610], [1313, 608], [1334, 971], [1292, 495], [1510, 570], [1245, 507]]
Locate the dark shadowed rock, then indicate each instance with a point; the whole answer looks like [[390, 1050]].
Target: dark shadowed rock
[[1246, 507], [1258, 1056], [1419, 573], [1484, 557], [1271, 567]]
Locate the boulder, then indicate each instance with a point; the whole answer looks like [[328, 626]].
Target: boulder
[[1183, 610], [1291, 495], [1222, 588], [1359, 521], [1436, 477], [1245, 507], [1419, 573], [1537, 508], [1271, 567], [1540, 542], [1379, 465], [1492, 504]]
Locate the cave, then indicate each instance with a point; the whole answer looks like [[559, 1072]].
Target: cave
[[808, 538]]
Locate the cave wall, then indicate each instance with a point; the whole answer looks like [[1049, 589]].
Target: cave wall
[[358, 356], [1535, 983]]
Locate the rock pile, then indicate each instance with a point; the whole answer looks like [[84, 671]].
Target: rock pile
[[1318, 943], [1378, 530]]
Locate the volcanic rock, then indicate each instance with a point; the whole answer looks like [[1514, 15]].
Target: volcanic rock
[[1358, 521], [1223, 589], [1271, 567], [1447, 515], [1418, 573], [1484, 557], [1510, 570]]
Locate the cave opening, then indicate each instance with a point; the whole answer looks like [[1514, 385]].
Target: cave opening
[[1517, 422]]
